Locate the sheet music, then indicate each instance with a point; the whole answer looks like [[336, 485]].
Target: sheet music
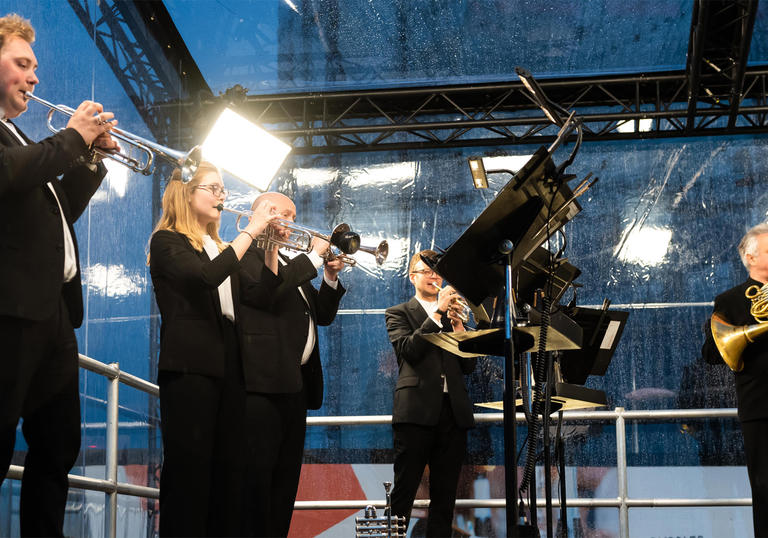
[[610, 334]]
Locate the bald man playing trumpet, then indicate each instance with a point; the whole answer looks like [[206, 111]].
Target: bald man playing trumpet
[[283, 373]]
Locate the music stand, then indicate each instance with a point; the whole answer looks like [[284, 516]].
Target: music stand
[[535, 274], [473, 264], [602, 331], [480, 264]]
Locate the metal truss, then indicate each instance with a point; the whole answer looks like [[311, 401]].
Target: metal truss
[[612, 108], [147, 55], [715, 95], [718, 50]]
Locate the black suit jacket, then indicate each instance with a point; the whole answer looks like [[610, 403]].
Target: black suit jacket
[[419, 390], [186, 289], [31, 233], [274, 336], [752, 381]]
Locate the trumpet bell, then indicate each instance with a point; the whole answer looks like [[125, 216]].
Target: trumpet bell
[[731, 340], [345, 239], [380, 252]]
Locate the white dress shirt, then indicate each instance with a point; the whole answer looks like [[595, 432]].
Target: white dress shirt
[[225, 288], [430, 307], [317, 261]]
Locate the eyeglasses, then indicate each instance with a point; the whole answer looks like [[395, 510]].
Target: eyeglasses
[[425, 272], [216, 190]]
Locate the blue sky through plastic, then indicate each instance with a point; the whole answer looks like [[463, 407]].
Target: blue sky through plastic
[[271, 46]]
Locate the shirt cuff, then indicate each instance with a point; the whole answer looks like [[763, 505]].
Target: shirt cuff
[[315, 258], [332, 283]]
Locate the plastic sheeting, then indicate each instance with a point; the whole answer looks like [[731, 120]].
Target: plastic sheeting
[[657, 234], [312, 45]]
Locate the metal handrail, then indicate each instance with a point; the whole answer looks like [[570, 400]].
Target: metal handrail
[[111, 487]]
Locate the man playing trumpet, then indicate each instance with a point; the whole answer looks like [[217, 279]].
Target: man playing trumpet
[[40, 292], [432, 411], [283, 373]]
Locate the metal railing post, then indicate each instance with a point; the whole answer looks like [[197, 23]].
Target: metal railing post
[[110, 516], [621, 472]]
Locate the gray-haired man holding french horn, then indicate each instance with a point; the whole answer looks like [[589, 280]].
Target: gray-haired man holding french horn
[[744, 309]]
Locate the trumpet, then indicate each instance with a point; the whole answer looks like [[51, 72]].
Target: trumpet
[[385, 526], [380, 252], [463, 309], [188, 162], [300, 239]]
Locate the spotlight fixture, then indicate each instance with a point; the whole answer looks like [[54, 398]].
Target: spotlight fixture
[[538, 96], [479, 178], [244, 149], [235, 95], [482, 166]]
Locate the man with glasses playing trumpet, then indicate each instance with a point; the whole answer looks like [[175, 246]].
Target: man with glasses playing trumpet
[[283, 373], [40, 292], [739, 319], [432, 411]]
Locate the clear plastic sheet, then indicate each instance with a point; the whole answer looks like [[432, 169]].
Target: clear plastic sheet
[[657, 234]]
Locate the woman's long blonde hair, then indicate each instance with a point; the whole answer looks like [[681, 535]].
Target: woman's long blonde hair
[[177, 215]]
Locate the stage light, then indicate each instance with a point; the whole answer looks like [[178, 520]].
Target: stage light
[[244, 149], [628, 126], [479, 178], [538, 96], [482, 166]]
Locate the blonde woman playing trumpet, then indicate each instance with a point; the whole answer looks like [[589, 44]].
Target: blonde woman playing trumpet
[[198, 287]]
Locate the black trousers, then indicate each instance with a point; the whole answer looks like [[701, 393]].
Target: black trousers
[[756, 449], [39, 383], [442, 447], [276, 427], [201, 483]]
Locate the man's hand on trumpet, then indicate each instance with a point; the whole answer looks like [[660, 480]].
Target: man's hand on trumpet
[[105, 143], [450, 302], [93, 124], [455, 315], [332, 266]]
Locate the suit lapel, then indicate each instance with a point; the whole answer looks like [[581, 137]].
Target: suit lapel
[[416, 312], [306, 287], [12, 138]]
